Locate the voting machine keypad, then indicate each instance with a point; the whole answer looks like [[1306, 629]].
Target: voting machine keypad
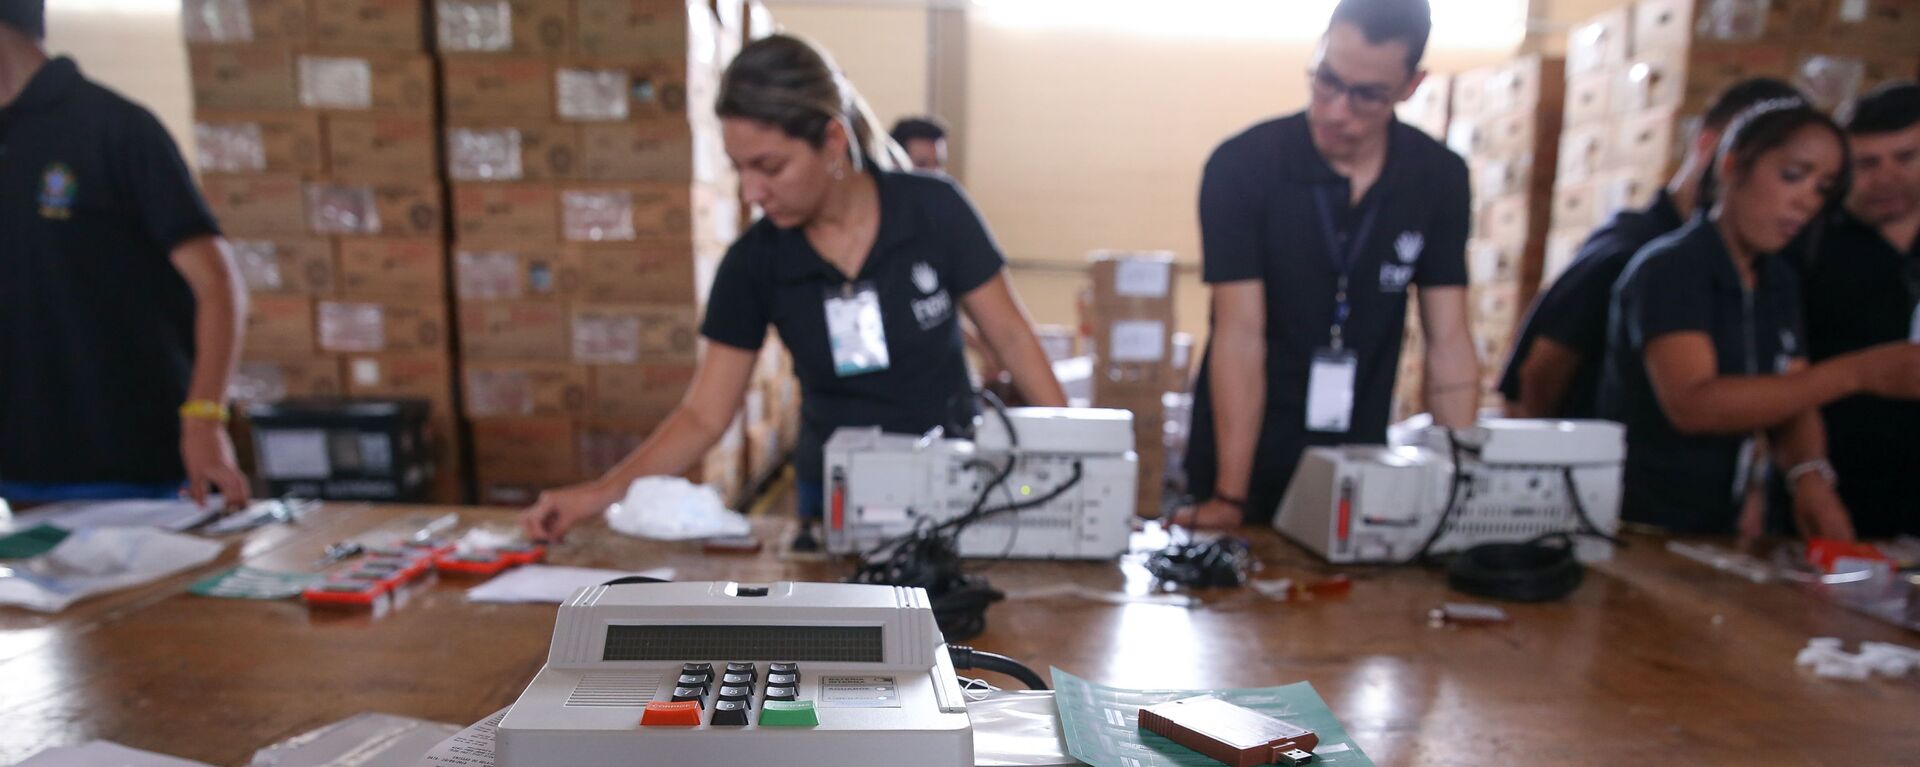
[[726, 697]]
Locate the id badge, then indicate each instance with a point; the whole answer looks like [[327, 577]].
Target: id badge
[[1330, 391], [855, 331], [1913, 333]]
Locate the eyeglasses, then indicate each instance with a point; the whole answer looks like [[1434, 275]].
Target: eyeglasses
[[1361, 98]]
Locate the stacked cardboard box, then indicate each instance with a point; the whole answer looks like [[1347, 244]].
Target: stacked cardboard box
[[1430, 106], [314, 122], [1640, 77], [592, 202], [1129, 320]]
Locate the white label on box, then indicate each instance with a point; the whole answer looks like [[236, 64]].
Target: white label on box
[[1135, 278], [352, 327], [591, 95], [487, 274], [859, 692], [259, 264], [600, 339], [484, 154], [499, 392], [230, 147], [300, 454], [470, 25], [1137, 341], [596, 216], [366, 372], [1853, 11], [332, 82], [342, 209], [217, 21]]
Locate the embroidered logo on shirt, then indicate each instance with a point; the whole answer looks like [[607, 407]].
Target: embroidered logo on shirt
[[57, 188], [925, 278], [1409, 245]]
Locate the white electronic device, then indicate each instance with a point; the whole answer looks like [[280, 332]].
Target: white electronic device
[[841, 674], [882, 486], [1380, 504]]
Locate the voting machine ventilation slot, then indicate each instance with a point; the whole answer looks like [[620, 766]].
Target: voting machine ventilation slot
[[614, 690]]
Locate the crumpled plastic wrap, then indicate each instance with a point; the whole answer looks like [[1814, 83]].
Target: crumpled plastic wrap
[[98, 560], [484, 154], [216, 21], [336, 82], [1742, 21], [475, 25], [673, 509], [342, 209], [597, 216], [1830, 81], [592, 95], [230, 147]]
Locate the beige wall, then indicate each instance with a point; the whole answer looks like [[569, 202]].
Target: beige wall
[[882, 50], [131, 46]]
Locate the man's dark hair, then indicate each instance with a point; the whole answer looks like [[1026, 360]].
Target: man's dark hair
[[28, 16], [1408, 21], [1888, 108], [1742, 96], [928, 128]]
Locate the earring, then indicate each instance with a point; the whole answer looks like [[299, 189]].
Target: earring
[[839, 170]]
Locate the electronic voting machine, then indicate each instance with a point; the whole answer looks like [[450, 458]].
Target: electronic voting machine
[[721, 673]]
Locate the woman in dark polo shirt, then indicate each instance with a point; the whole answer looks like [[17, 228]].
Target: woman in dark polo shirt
[[1706, 344], [862, 269]]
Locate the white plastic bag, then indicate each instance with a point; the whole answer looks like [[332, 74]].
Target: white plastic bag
[[1017, 729], [673, 509], [97, 560]]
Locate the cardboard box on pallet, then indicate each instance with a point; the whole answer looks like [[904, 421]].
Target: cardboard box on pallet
[[360, 81], [248, 206], [380, 146], [539, 452], [588, 89], [301, 266], [637, 392], [425, 375], [631, 27], [649, 150], [524, 389], [624, 212], [259, 142], [359, 326], [515, 273], [650, 272], [242, 77], [481, 86], [520, 150], [514, 330], [630, 334], [522, 212], [225, 22], [393, 269], [391, 25], [279, 327], [512, 26], [274, 380]]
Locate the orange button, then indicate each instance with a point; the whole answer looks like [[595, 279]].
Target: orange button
[[664, 714]]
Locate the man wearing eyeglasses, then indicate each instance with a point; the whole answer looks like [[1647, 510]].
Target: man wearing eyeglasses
[[1314, 227]]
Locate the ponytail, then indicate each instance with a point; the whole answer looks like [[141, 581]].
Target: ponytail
[[792, 85]]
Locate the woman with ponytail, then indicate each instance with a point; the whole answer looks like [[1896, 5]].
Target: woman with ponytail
[[1707, 347], [861, 267]]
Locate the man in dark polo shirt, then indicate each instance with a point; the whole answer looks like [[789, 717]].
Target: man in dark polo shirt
[[1554, 371], [1862, 288], [120, 307], [1314, 227]]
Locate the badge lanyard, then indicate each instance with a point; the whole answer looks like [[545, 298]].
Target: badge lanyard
[[1332, 379]]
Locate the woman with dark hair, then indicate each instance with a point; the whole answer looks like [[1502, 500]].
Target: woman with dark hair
[[863, 269], [1706, 345]]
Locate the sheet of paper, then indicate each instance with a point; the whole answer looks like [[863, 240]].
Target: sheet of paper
[[1102, 724], [549, 584], [365, 740], [174, 515], [102, 753], [471, 747]]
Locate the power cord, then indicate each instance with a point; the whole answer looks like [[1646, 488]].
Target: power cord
[[1455, 490], [966, 658]]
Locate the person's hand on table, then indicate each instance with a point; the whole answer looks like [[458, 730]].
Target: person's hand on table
[[207, 453], [1211, 515], [559, 509]]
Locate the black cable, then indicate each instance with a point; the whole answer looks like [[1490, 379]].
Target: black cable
[[1454, 491], [966, 658], [1580, 510], [1220, 563]]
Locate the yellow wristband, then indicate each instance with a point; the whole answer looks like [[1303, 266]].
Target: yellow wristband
[[207, 410]]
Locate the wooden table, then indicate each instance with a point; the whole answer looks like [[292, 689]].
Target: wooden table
[[1654, 661]]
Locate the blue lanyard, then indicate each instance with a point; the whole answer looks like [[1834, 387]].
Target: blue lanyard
[[1344, 252]]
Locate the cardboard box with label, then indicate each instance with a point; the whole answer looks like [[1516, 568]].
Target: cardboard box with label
[[371, 146], [226, 22], [519, 389], [275, 380], [409, 208], [638, 392], [361, 81], [506, 213], [392, 269], [630, 334], [242, 77], [590, 89], [660, 273], [422, 375], [525, 450], [481, 86], [279, 327], [491, 150], [515, 273], [648, 150], [301, 266], [358, 326], [631, 27], [271, 204], [258, 142], [516, 26], [393, 25], [515, 330]]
